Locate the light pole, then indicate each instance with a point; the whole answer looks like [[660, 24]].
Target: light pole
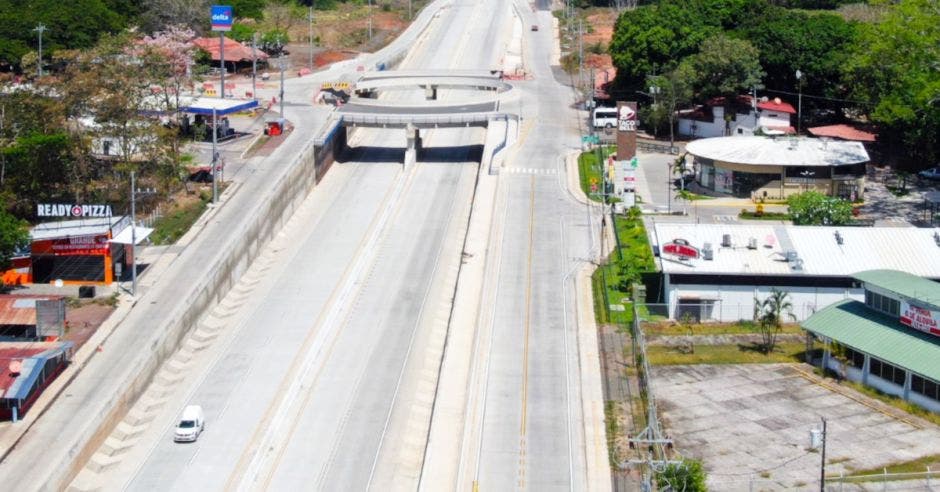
[[40, 29], [215, 180], [807, 175], [799, 110], [133, 236], [282, 62], [222, 59], [370, 21], [822, 471], [310, 18], [254, 65]]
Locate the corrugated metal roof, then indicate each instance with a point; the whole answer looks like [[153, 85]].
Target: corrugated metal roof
[[910, 286], [907, 249], [20, 310], [66, 228], [865, 330], [768, 151]]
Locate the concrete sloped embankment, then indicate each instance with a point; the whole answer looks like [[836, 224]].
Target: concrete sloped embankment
[[72, 429]]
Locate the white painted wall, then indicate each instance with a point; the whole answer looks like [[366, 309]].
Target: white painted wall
[[736, 302], [888, 387], [744, 124]]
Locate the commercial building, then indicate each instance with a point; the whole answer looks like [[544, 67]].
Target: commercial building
[[82, 251], [773, 168], [715, 271], [890, 340]]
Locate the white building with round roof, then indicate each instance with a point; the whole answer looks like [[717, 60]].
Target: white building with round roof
[[774, 168]]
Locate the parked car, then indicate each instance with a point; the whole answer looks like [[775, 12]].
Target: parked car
[[932, 173]]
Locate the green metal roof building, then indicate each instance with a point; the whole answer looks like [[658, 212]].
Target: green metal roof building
[[891, 341]]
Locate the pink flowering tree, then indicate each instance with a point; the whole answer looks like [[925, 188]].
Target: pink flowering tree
[[168, 56]]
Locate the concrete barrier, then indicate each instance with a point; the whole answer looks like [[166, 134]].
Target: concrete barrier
[[306, 169]]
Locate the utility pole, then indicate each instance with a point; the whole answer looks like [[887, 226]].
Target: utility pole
[[133, 235], [370, 20], [822, 470], [580, 55], [410, 16], [799, 111], [222, 58], [215, 135], [310, 19], [282, 63], [3, 142], [254, 65], [40, 29]]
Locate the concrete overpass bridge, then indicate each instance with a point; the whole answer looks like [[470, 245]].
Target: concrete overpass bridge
[[370, 84], [364, 109]]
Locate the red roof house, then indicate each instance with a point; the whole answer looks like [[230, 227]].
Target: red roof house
[[844, 132], [234, 51]]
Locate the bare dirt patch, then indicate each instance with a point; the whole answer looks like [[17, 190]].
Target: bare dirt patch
[[82, 321]]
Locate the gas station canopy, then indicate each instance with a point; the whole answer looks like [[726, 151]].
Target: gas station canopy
[[221, 107]]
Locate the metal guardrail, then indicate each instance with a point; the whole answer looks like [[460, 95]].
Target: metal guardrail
[[364, 119], [652, 147]]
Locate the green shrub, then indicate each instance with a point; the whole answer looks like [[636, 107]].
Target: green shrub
[[687, 475]]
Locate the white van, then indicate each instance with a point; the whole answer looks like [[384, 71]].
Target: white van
[[605, 117], [192, 423]]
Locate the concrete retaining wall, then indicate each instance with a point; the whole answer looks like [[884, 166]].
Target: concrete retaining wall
[[309, 166]]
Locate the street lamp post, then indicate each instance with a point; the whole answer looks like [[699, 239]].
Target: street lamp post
[[799, 110], [40, 29], [282, 62], [310, 18]]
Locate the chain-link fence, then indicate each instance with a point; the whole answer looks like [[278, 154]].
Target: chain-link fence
[[927, 480], [718, 311]]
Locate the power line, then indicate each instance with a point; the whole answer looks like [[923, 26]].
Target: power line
[[864, 103]]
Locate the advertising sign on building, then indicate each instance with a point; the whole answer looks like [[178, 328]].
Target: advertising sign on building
[[90, 245], [72, 210], [222, 17], [921, 319]]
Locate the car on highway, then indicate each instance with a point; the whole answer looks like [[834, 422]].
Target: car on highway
[[535, 27], [932, 173], [191, 424]]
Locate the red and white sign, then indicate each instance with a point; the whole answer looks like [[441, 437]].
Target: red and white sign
[[921, 319], [681, 248]]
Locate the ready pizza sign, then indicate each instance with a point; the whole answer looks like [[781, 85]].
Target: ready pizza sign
[[920, 319], [72, 210]]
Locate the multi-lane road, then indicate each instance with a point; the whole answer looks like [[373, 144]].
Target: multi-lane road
[[327, 376]]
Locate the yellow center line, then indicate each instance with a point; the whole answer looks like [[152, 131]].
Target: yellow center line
[[525, 339]]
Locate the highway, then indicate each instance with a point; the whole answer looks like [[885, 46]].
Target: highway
[[327, 371], [524, 422], [327, 376]]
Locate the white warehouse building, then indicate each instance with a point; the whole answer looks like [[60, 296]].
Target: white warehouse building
[[715, 271]]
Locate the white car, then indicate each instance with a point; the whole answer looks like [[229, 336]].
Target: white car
[[932, 173], [192, 423]]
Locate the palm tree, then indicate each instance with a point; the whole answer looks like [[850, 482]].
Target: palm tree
[[769, 313]]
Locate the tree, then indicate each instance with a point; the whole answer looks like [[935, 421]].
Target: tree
[[688, 476], [673, 89], [817, 45], [653, 39], [769, 314], [14, 236], [160, 14], [895, 67], [815, 208], [72, 24], [725, 66]]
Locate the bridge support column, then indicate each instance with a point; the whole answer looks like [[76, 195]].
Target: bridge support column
[[430, 92], [413, 136]]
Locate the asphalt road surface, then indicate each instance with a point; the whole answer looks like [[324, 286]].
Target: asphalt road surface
[[321, 384]]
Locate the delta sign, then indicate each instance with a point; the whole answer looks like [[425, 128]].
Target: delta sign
[[222, 16]]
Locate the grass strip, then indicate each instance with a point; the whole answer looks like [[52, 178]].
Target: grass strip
[[744, 353]]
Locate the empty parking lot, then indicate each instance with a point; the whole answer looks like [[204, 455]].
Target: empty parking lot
[[753, 422]]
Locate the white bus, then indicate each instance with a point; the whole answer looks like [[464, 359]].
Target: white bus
[[605, 117]]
